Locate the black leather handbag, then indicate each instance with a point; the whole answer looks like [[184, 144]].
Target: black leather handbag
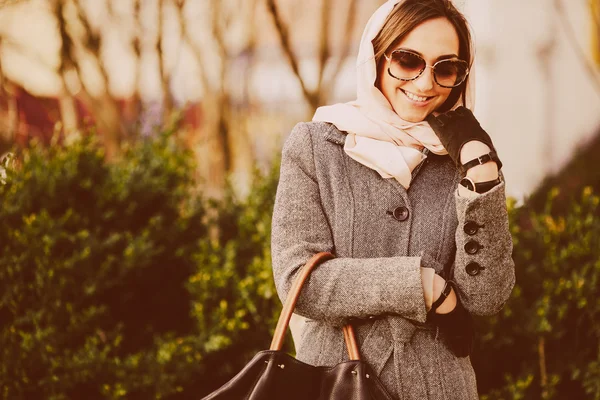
[[273, 374]]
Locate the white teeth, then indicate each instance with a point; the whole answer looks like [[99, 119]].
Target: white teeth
[[415, 97]]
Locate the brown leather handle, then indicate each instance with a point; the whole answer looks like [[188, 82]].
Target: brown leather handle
[[290, 304], [351, 344]]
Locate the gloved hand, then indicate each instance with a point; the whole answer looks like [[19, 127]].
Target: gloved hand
[[457, 127], [457, 330]]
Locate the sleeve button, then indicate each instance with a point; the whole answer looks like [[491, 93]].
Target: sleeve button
[[473, 268], [472, 247], [471, 228]]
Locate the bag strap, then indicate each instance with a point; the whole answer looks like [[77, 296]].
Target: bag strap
[[290, 304]]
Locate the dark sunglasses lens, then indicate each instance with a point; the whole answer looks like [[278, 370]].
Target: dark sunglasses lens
[[450, 73], [405, 65]]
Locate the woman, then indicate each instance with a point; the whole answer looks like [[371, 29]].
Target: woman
[[402, 185]]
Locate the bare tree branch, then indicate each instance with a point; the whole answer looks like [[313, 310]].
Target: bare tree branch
[[68, 110], [217, 32], [594, 7], [572, 37], [222, 95], [250, 49], [346, 46], [239, 139], [187, 38], [92, 42], [224, 144], [325, 82], [131, 120], [9, 124], [283, 34], [214, 153], [103, 107], [136, 47], [164, 76], [323, 43], [67, 58]]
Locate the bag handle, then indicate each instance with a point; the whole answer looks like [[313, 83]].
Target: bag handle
[[290, 304]]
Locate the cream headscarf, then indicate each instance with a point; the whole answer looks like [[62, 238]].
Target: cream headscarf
[[377, 137]]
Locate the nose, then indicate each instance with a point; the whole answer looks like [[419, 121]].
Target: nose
[[425, 82]]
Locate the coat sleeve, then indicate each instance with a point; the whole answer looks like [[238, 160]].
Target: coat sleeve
[[484, 270], [342, 287]]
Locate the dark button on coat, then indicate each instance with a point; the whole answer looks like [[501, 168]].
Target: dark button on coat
[[472, 247], [471, 228], [473, 268], [400, 213]]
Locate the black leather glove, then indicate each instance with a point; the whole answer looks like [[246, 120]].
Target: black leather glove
[[457, 330], [457, 127]]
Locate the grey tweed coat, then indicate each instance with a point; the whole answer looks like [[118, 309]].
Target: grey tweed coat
[[326, 201]]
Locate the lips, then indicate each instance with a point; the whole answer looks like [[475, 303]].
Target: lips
[[416, 98]]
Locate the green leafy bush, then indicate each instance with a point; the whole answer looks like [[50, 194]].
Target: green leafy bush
[[111, 285], [235, 304], [546, 341], [93, 262]]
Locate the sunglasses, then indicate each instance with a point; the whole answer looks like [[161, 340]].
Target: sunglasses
[[408, 66]]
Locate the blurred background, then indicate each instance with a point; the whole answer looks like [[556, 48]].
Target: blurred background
[[140, 143], [238, 75]]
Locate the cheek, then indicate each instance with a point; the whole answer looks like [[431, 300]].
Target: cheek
[[389, 85], [443, 93], [385, 83]]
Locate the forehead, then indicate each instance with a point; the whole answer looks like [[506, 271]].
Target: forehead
[[432, 38]]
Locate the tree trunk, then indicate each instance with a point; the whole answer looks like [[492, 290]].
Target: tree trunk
[[68, 114], [167, 101], [9, 123], [210, 146]]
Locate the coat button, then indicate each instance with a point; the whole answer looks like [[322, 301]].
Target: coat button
[[472, 247], [400, 213], [471, 228], [473, 268]]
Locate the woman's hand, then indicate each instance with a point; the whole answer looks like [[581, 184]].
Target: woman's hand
[[433, 285], [462, 136], [450, 303]]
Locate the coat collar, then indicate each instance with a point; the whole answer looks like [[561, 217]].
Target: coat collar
[[334, 135]]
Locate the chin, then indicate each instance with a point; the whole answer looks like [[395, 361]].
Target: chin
[[413, 116]]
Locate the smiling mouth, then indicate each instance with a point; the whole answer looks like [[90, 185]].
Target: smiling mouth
[[414, 97]]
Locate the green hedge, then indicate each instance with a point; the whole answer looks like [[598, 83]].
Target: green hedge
[[121, 281], [553, 317], [111, 284]]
